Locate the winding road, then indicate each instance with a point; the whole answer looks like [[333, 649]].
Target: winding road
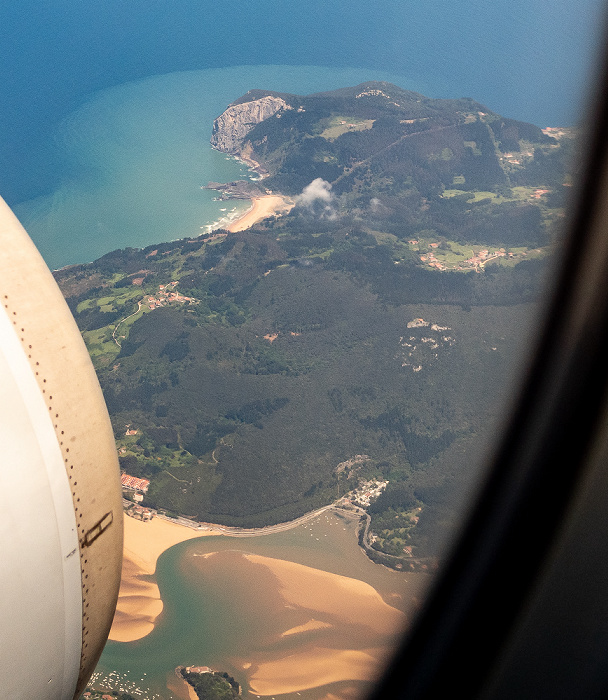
[[122, 320]]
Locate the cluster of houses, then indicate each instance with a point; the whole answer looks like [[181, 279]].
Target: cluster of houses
[[516, 158], [558, 132], [430, 258], [138, 487], [167, 295], [139, 512], [537, 194], [367, 491], [484, 256], [476, 261]]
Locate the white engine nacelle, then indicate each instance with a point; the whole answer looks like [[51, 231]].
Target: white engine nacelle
[[60, 497]]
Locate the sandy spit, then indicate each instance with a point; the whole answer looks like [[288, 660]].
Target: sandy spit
[[139, 601]]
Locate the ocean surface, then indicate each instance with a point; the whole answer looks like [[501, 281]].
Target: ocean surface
[[225, 612], [106, 108], [134, 158]]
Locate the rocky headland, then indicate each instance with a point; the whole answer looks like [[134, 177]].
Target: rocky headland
[[233, 125], [239, 189]]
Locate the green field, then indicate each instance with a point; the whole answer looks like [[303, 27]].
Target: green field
[[338, 125]]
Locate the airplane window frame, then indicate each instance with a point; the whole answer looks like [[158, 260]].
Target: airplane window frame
[[459, 637], [509, 541]]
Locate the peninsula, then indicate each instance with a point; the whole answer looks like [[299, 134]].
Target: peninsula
[[245, 370], [333, 360]]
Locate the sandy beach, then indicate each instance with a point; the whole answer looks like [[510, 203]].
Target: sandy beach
[[261, 208], [329, 604], [139, 601]]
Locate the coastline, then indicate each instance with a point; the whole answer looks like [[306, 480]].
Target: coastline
[[139, 602], [325, 599], [261, 208]]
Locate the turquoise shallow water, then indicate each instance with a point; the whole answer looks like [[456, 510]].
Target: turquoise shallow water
[[134, 158], [223, 611]]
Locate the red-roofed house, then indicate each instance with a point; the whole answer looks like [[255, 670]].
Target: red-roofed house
[[133, 483]]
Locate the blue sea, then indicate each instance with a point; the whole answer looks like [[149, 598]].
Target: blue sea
[[136, 156], [106, 108]]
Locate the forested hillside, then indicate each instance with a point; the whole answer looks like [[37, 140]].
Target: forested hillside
[[381, 317], [405, 163]]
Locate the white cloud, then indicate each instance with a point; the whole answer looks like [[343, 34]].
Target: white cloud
[[318, 198], [318, 189]]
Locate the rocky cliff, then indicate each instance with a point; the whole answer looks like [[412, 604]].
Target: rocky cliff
[[233, 125]]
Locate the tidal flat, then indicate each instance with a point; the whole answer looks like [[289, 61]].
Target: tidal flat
[[300, 613]]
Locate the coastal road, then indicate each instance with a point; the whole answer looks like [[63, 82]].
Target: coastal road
[[257, 531]]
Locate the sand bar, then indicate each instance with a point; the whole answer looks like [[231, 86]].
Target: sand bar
[[353, 601], [261, 208], [349, 604], [139, 601], [311, 669], [306, 627], [138, 607], [330, 601]]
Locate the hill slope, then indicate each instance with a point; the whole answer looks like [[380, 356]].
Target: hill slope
[[405, 162], [368, 334]]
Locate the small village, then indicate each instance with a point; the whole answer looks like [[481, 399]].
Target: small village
[[135, 488], [366, 492], [475, 262], [167, 295], [362, 495]]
